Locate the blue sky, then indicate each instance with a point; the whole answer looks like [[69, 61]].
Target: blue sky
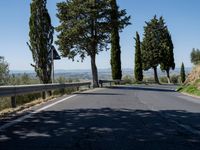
[[181, 16]]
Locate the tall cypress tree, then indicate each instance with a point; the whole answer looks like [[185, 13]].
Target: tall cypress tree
[[115, 43], [167, 61], [41, 39], [182, 73], [138, 59]]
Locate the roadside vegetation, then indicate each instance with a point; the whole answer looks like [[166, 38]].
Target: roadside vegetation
[[191, 83], [25, 79]]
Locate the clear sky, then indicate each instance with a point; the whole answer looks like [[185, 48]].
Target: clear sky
[[181, 16]]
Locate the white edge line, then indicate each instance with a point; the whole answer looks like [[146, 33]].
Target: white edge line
[[32, 113]]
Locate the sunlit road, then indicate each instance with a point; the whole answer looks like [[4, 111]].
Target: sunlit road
[[118, 118]]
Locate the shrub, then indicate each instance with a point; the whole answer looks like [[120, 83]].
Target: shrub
[[163, 79], [175, 79], [128, 79]]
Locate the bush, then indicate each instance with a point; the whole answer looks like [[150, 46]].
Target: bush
[[23, 79], [163, 79], [175, 79], [128, 79], [149, 79], [5, 103]]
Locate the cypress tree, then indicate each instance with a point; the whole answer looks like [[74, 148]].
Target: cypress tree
[[151, 46], [138, 59], [167, 61], [41, 39], [115, 43], [182, 73]]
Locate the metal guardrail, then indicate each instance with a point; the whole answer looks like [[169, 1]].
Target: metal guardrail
[[101, 82], [13, 91]]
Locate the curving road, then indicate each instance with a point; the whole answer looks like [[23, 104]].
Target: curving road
[[116, 118]]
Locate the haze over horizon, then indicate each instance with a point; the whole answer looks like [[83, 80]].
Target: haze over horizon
[[181, 19]]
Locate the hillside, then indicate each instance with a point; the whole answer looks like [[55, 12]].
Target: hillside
[[192, 83]]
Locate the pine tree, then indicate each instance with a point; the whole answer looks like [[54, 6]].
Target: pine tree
[[151, 46], [85, 29], [182, 73], [41, 39], [167, 61], [138, 59]]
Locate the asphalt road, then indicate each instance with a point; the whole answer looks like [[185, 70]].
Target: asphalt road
[[117, 118]]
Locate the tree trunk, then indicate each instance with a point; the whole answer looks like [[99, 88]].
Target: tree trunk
[[168, 76], [94, 71], [156, 75]]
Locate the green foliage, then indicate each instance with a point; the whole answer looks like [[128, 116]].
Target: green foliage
[[4, 71], [182, 73], [23, 79], [151, 45], [167, 61], [157, 47], [41, 39], [138, 59], [163, 80], [4, 103], [115, 39], [85, 28], [175, 79], [195, 56], [190, 89]]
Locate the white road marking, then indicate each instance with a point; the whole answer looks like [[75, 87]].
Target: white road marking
[[32, 113]]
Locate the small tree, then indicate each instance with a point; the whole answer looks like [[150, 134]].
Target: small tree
[[138, 59], [4, 71], [195, 56], [41, 39], [182, 73]]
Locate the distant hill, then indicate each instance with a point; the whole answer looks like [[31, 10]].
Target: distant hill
[[103, 73]]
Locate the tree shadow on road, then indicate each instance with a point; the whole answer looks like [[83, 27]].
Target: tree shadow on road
[[143, 88], [101, 129], [98, 94]]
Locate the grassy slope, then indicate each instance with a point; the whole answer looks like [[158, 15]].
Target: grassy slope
[[191, 88]]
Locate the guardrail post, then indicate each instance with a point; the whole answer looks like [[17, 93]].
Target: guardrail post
[[101, 83], [13, 102], [43, 95], [77, 88]]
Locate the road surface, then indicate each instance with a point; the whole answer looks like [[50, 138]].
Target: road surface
[[116, 118]]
